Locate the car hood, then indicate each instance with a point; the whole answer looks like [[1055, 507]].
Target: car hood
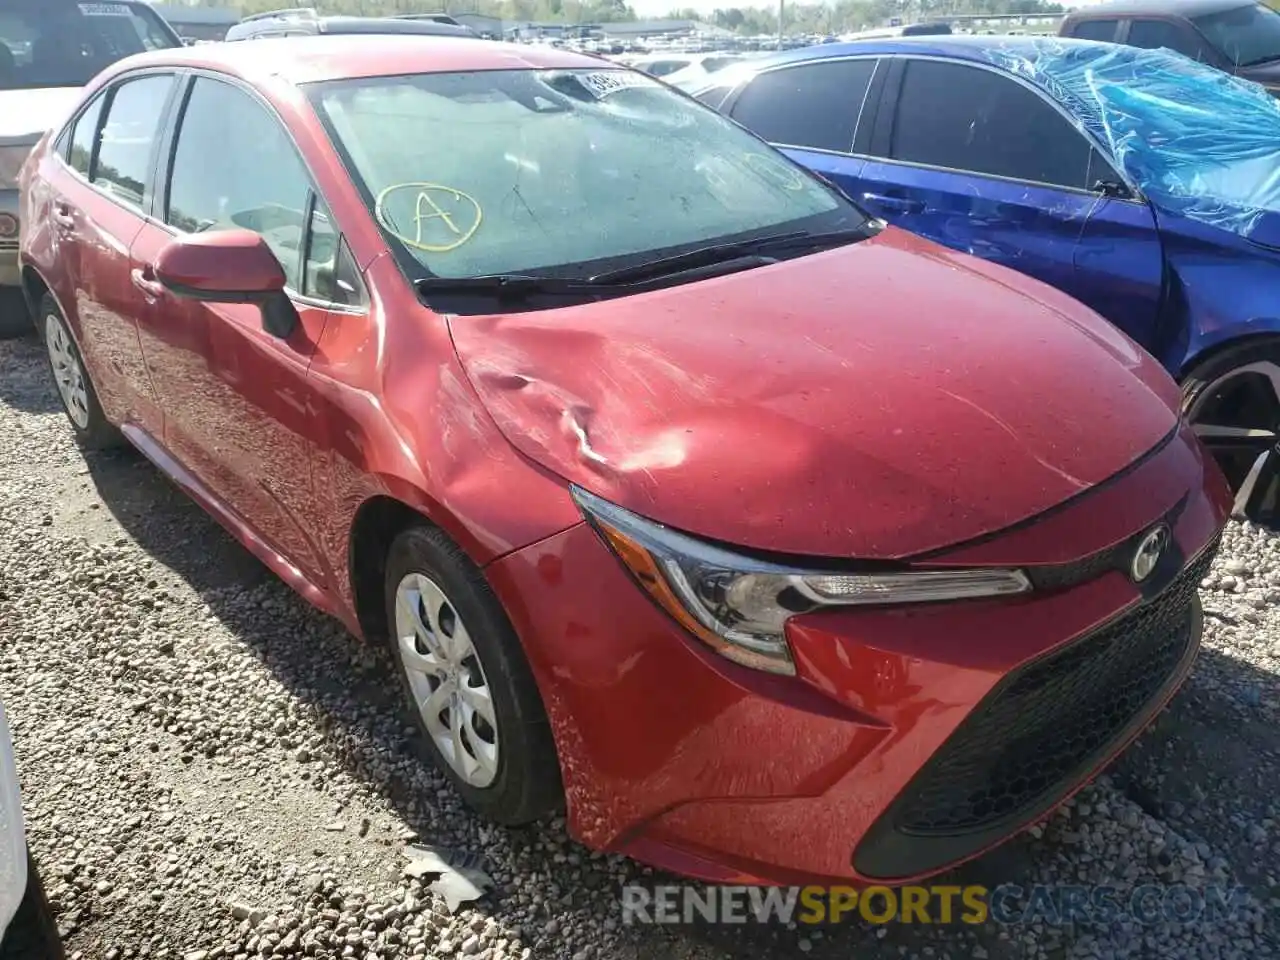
[[29, 113], [878, 400]]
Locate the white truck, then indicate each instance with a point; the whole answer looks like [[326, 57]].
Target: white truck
[[27, 928]]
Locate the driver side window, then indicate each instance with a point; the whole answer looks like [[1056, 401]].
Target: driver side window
[[235, 166]]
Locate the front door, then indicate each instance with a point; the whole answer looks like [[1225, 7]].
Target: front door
[[239, 411], [977, 161]]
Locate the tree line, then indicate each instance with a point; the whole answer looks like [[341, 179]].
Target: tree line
[[828, 18]]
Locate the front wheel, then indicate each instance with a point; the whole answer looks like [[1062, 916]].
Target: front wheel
[[1232, 401], [466, 681]]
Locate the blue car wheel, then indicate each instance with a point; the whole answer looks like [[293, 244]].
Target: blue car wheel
[[1233, 402]]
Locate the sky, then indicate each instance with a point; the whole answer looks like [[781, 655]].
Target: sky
[[654, 9]]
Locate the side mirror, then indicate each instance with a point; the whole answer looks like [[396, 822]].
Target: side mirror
[[229, 266], [1114, 189]]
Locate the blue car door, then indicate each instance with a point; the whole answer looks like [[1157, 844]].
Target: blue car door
[[809, 110], [975, 159]]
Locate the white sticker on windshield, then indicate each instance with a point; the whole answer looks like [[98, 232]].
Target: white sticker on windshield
[[105, 10], [603, 84]]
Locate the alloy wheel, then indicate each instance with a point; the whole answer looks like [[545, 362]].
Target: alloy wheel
[[447, 680], [67, 370], [1237, 417]]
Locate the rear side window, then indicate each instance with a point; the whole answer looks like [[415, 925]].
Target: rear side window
[[965, 118], [1154, 34], [235, 166], [129, 135], [1095, 30], [84, 137], [813, 105]]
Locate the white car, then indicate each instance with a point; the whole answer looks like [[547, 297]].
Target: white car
[[690, 66], [27, 929], [704, 65]]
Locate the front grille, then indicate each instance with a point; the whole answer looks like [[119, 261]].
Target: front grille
[[1062, 576], [1036, 734]]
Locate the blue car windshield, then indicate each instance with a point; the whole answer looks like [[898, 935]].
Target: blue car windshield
[[1197, 142]]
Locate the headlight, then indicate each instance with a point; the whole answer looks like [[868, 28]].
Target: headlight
[[739, 606], [13, 845]]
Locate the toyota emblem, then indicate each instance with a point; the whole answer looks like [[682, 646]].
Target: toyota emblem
[[1147, 557]]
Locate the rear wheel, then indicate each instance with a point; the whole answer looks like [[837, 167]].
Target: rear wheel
[[75, 389], [466, 681], [1232, 401]]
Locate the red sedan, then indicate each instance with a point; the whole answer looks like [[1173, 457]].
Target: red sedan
[[776, 543]]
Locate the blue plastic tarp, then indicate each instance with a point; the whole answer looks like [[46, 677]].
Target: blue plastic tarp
[[1198, 142]]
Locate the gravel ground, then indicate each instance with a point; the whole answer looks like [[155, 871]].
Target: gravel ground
[[212, 769]]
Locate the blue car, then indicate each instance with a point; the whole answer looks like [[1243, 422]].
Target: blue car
[[1138, 181]]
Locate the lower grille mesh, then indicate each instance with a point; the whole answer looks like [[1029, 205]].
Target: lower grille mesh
[[1028, 741]]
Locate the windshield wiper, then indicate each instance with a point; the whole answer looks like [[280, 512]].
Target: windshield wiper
[[505, 285], [517, 285], [723, 252]]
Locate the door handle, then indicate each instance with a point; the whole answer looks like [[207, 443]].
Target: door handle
[[62, 216], [894, 204], [144, 279]]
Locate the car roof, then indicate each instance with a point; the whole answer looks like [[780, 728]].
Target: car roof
[[975, 47], [316, 59], [1175, 8], [392, 25]]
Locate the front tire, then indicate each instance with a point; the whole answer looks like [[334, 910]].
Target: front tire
[[466, 681], [1232, 401], [75, 388]]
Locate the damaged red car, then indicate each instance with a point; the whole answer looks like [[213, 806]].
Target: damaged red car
[[774, 543]]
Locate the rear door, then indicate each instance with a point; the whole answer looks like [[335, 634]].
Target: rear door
[[100, 198], [980, 162], [810, 110]]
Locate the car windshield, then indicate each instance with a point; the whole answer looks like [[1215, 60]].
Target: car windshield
[[560, 171], [1198, 142], [58, 43], [1246, 35]]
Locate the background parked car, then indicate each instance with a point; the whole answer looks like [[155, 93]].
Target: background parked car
[[1242, 38], [27, 928], [49, 49], [667, 65], [1138, 181], [306, 22], [700, 67]]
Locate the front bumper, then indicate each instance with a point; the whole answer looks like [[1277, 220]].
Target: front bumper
[[33, 934], [910, 739]]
